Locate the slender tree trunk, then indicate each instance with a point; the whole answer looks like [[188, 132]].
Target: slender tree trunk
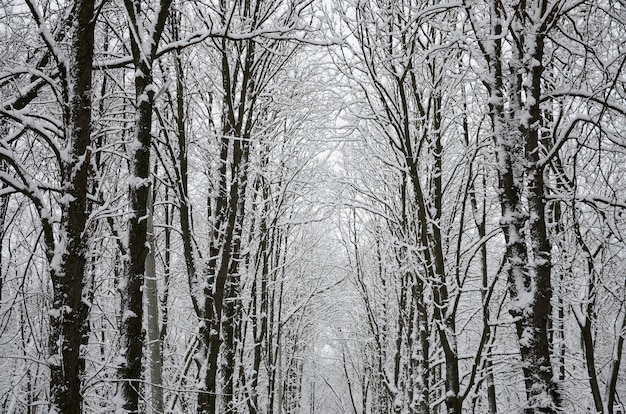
[[433, 250], [232, 306], [443, 311], [423, 362], [230, 324], [260, 295], [131, 288], [482, 233], [218, 273], [275, 335], [182, 184], [152, 308], [221, 287], [4, 205], [616, 361]]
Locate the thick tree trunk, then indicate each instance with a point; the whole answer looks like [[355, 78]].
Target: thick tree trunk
[[529, 289], [69, 329], [534, 339], [522, 193], [517, 142]]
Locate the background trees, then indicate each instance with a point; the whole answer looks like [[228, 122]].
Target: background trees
[[356, 207], [528, 124]]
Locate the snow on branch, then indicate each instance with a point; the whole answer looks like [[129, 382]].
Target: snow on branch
[[46, 36]]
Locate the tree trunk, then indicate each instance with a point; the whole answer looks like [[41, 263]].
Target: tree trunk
[[260, 296], [69, 329], [481, 224], [132, 287], [221, 286], [152, 308], [520, 172], [534, 336], [422, 368], [132, 341]]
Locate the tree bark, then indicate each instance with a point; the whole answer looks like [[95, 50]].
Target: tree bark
[[520, 172], [152, 315], [132, 341], [69, 329]]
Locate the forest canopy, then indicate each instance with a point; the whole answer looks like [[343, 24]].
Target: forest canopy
[[312, 206]]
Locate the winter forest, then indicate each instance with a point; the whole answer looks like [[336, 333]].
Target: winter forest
[[312, 206]]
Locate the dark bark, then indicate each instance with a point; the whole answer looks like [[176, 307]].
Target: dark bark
[[292, 382], [422, 366], [138, 190], [274, 323], [519, 172], [223, 236], [443, 311], [69, 328], [485, 295], [246, 69], [223, 278], [585, 322], [4, 205], [221, 310], [233, 306], [131, 288], [614, 366], [412, 112], [536, 353], [182, 178], [434, 257]]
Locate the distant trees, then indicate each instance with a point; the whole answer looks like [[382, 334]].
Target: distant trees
[[413, 66], [65, 193], [297, 206], [409, 96]]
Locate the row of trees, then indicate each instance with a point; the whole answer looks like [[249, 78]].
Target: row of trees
[[283, 206], [486, 168], [157, 151]]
